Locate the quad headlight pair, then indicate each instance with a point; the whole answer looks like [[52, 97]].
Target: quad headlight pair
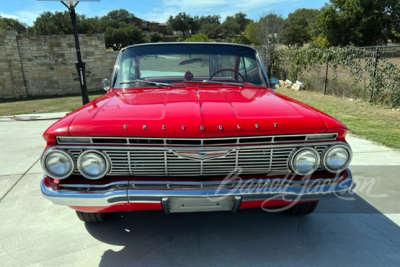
[[59, 164], [306, 160]]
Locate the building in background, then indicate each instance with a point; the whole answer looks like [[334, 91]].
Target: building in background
[[150, 26]]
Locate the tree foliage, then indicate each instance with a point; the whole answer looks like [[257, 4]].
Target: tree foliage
[[270, 29], [229, 28], [359, 22], [55, 23], [212, 30], [200, 37], [182, 22], [298, 25], [121, 15], [118, 27], [12, 25], [251, 33], [242, 20], [381, 84]]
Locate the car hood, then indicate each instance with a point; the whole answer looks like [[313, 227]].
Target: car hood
[[195, 111]]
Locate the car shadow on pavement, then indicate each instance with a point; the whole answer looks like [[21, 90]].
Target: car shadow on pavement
[[339, 232]]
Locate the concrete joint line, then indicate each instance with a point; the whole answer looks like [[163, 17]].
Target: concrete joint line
[[19, 179]]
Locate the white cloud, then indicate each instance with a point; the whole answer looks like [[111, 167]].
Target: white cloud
[[29, 14]]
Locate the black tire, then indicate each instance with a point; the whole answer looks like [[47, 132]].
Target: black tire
[[302, 208], [91, 217]]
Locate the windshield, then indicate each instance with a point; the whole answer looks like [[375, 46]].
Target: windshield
[[172, 63]]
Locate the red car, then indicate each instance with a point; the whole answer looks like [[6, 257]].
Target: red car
[[193, 127]]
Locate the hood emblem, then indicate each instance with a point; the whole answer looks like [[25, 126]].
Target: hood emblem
[[201, 155], [125, 127], [275, 124]]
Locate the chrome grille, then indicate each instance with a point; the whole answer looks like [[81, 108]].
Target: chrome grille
[[164, 162]]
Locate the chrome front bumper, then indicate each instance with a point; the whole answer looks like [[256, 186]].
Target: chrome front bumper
[[150, 192]]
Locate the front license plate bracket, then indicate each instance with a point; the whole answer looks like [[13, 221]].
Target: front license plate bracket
[[200, 204]]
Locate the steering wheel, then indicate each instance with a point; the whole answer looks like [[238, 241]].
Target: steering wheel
[[222, 70]]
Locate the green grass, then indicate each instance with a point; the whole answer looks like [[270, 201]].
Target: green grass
[[363, 119], [42, 105]]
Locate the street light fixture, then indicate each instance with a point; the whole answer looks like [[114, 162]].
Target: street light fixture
[[80, 65]]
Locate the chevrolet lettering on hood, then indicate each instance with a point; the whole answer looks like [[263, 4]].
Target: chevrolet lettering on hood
[[193, 127]]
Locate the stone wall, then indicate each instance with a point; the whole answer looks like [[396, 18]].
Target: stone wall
[[45, 65]]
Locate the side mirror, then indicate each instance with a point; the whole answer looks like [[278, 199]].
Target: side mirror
[[106, 84], [274, 83]]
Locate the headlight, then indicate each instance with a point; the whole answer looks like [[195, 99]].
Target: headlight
[[337, 158], [305, 161], [57, 163], [93, 164]]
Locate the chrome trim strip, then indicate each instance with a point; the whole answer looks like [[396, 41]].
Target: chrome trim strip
[[204, 148], [235, 140], [77, 198]]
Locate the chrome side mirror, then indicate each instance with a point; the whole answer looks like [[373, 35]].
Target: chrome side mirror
[[274, 83], [106, 84]]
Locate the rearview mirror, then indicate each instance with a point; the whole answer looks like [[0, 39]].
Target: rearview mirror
[[106, 84], [274, 82]]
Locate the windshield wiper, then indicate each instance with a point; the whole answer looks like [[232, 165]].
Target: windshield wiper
[[216, 82], [147, 82]]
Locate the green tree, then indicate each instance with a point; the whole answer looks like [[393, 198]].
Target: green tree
[[121, 15], [181, 22], [229, 28], [199, 22], [200, 37], [251, 33], [53, 23], [125, 34], [298, 24], [212, 30], [210, 19], [153, 37], [359, 22], [242, 20], [12, 25]]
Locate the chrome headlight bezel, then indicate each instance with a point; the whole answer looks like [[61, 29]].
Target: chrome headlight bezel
[[301, 150], [107, 165], [329, 149], [53, 150]]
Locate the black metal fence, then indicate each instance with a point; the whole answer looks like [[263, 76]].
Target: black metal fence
[[375, 77]]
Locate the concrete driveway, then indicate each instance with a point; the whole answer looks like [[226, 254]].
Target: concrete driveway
[[363, 231]]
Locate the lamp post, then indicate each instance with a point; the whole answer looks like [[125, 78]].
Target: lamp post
[[80, 65]]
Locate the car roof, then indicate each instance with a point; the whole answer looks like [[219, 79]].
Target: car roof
[[187, 43]]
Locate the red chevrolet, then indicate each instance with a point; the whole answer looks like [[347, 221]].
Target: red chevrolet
[[193, 127]]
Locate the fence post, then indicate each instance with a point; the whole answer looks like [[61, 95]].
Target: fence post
[[373, 79], [326, 76]]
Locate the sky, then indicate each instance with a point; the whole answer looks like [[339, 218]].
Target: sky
[[26, 11]]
